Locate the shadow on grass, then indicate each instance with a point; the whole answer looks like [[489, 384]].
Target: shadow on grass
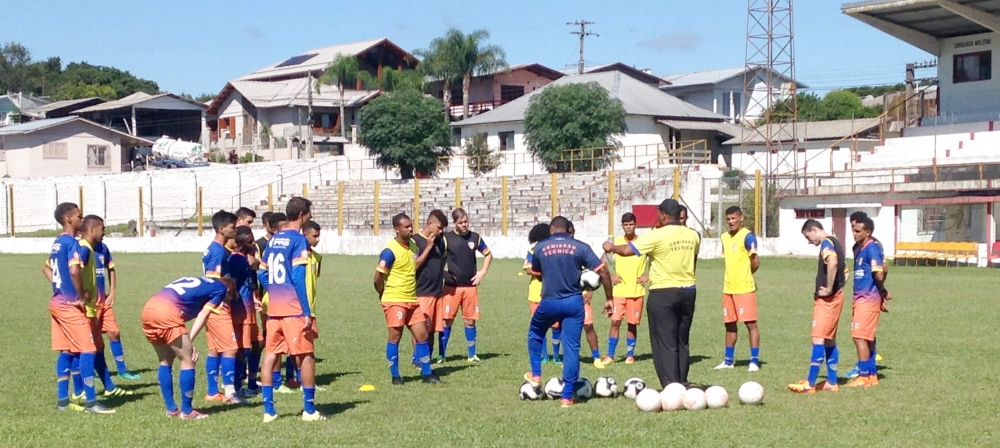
[[331, 409], [114, 402], [693, 359], [218, 408], [329, 378], [139, 371]]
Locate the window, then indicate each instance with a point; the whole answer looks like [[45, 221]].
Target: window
[[971, 67], [55, 151], [97, 157], [506, 140], [296, 60], [931, 219], [510, 93], [810, 213]]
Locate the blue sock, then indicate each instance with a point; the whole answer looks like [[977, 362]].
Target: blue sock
[[864, 367], [165, 376], [289, 368], [102, 372], [832, 359], [556, 341], [755, 355], [119, 353], [64, 364], [815, 362], [228, 366], [595, 353], [392, 355], [241, 372], [630, 345], [443, 341], [730, 355], [212, 374], [268, 393], [872, 369], [612, 345], [187, 390], [87, 374], [276, 378], [253, 367], [309, 399], [74, 372], [423, 352], [470, 337]]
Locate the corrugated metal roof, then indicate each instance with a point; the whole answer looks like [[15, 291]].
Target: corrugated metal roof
[[40, 125], [615, 66], [323, 57], [67, 103], [293, 93], [925, 16], [723, 127], [637, 97], [136, 99], [812, 130], [710, 77]]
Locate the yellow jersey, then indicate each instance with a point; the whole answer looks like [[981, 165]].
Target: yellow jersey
[[737, 250], [673, 251], [312, 274], [629, 269], [399, 264], [534, 283], [88, 276]]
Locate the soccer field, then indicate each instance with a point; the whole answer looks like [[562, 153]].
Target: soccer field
[[938, 389]]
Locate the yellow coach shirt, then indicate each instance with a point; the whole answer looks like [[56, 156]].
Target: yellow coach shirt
[[737, 249], [399, 264], [629, 269], [672, 250]]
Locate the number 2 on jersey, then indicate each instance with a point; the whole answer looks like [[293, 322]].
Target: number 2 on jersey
[[182, 285]]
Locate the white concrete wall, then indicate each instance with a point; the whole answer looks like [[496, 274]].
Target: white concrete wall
[[816, 158], [969, 101]]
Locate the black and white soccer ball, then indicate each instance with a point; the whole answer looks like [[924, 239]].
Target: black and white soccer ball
[[529, 392], [583, 389], [554, 388], [633, 386], [590, 280], [606, 387]]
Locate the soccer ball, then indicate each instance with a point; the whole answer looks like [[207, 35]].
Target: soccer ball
[[554, 388], [648, 400], [716, 397], [633, 386], [590, 280], [529, 392], [694, 399], [751, 393], [606, 387], [582, 389], [672, 397]]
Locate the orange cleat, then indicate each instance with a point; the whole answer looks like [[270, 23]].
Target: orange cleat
[[825, 386], [802, 387]]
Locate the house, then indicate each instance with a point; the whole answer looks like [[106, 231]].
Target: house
[[644, 75], [823, 147], [150, 116], [64, 147], [491, 90], [19, 108], [721, 91], [65, 108], [373, 56], [655, 119]]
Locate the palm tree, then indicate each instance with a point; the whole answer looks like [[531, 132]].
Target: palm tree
[[473, 56], [439, 62], [343, 69]]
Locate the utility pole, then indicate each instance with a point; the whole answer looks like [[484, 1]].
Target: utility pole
[[583, 34]]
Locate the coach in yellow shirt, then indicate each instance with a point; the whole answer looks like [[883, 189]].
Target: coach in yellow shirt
[[739, 291], [630, 278], [673, 251]]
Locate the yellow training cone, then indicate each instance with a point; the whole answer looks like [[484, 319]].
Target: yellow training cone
[[367, 388]]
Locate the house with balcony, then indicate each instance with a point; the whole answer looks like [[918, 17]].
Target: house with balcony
[[721, 91], [491, 90]]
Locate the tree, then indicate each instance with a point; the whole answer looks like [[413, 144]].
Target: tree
[[474, 56], [344, 69], [405, 130], [835, 105], [14, 61], [579, 117], [480, 158], [122, 82], [439, 63]]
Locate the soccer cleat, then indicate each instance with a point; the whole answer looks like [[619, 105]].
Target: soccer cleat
[[416, 365], [283, 389], [129, 376], [292, 384], [753, 367], [397, 381], [607, 361], [873, 380], [545, 360], [193, 415], [854, 373], [216, 397], [118, 392], [319, 388], [174, 413], [268, 418], [564, 403], [70, 407], [598, 364], [878, 357], [474, 360], [630, 360], [534, 381], [825, 386], [557, 360], [234, 400], [439, 360], [97, 408], [247, 392], [802, 387], [432, 379], [79, 399], [314, 417], [723, 366], [861, 381]]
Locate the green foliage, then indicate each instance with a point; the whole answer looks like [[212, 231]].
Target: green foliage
[[218, 157], [581, 117], [461, 56], [393, 80], [732, 177], [405, 130], [835, 105], [771, 211], [251, 157], [81, 90], [344, 69], [480, 158]]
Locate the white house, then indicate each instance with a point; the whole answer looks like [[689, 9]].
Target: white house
[[721, 91]]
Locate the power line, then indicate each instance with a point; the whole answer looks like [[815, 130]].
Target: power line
[[583, 35]]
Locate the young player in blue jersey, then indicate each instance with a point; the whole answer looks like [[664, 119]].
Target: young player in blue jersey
[[855, 218], [107, 287], [869, 294], [221, 339], [163, 318], [243, 309]]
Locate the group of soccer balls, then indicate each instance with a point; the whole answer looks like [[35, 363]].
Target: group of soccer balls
[[674, 397]]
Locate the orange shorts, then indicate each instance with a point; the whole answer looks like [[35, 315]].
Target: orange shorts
[[402, 314], [287, 335], [106, 314], [466, 297], [220, 333], [532, 306], [739, 307], [247, 335], [162, 322], [826, 316], [433, 309], [864, 319], [71, 329], [627, 307], [95, 328]]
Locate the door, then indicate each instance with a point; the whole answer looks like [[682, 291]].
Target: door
[[840, 224]]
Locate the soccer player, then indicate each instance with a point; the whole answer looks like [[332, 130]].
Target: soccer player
[[248, 337], [683, 218], [538, 233], [430, 277], [283, 271], [72, 335], [739, 290], [855, 218], [273, 222], [869, 292], [312, 233], [629, 276], [828, 302], [396, 285], [461, 282], [221, 336], [163, 318], [245, 217], [561, 259], [588, 318], [107, 286]]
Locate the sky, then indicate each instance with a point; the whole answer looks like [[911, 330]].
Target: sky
[[196, 46]]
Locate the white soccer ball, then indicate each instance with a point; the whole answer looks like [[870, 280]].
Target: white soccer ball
[[583, 389], [751, 393], [606, 387], [648, 400], [694, 399], [529, 392], [672, 397], [633, 386], [590, 280], [716, 397], [554, 388]]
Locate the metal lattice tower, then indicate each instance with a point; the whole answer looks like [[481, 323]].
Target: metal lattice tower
[[769, 89]]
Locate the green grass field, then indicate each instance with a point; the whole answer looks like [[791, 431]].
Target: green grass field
[[938, 387]]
